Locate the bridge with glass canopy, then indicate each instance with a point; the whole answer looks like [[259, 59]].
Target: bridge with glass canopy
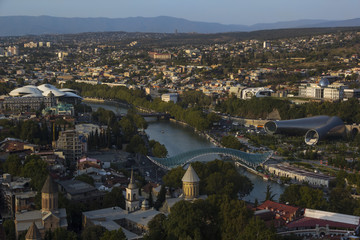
[[249, 160]]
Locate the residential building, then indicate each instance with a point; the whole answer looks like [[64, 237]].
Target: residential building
[[78, 191], [72, 144], [167, 97], [160, 56], [283, 211], [16, 194]]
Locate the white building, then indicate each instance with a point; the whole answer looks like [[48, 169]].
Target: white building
[[300, 175], [167, 97], [266, 44], [248, 93], [323, 90], [132, 195]]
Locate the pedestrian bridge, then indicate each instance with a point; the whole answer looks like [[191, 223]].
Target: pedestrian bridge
[[250, 160]]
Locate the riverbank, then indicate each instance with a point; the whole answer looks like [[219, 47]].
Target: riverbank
[[106, 101], [179, 138], [98, 100]]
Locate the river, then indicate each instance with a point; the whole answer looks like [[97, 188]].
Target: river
[[178, 139]]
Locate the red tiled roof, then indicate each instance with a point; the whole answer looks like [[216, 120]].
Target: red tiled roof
[[307, 222], [282, 209], [278, 206]]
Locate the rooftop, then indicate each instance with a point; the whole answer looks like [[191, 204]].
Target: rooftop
[[76, 187], [190, 175]]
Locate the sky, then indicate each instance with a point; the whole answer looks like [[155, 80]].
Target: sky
[[244, 12]]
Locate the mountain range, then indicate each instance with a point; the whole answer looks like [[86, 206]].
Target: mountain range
[[31, 25]]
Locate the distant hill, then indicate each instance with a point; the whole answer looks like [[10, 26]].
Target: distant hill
[[27, 25]]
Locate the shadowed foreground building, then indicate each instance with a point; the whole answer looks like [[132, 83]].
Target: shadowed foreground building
[[50, 217], [33, 233]]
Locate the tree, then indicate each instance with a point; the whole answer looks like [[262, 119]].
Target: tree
[[36, 169], [190, 221], [305, 197], [157, 230], [161, 198], [93, 232], [60, 234], [137, 145], [268, 194], [173, 177], [127, 127], [114, 235], [114, 198], [219, 177], [13, 165], [257, 230], [342, 201], [9, 228], [233, 215], [85, 178], [159, 150], [232, 142]]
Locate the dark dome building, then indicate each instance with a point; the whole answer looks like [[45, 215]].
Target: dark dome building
[[324, 82], [314, 128]]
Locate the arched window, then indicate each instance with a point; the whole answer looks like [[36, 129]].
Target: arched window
[[128, 196], [134, 196]]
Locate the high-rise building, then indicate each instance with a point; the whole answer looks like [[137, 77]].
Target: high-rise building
[[70, 143], [13, 50], [266, 45]]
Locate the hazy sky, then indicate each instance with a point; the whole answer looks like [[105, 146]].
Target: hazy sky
[[221, 11]]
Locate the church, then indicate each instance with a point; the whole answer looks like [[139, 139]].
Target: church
[[50, 217], [134, 219], [190, 189]]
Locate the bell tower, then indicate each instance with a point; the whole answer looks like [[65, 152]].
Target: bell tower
[[49, 196], [132, 195]]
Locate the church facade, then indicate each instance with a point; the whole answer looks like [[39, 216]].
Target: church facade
[[50, 217]]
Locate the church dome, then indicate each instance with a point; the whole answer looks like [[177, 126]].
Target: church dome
[[190, 176], [324, 82], [132, 184], [49, 186]]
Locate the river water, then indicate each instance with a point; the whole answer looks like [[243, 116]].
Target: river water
[[178, 139]]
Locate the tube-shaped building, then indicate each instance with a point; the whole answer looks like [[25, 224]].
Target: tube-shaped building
[[314, 128]]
